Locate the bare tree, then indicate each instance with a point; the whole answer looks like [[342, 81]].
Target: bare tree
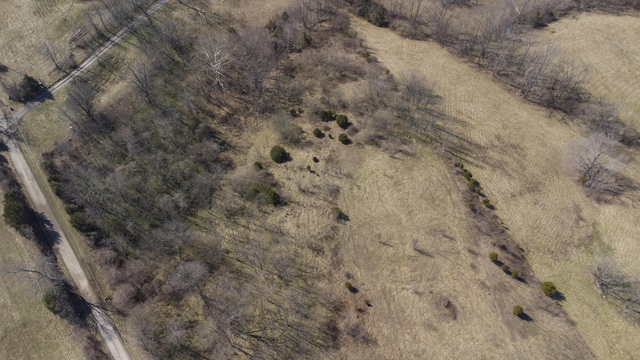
[[416, 88], [598, 170], [536, 62], [216, 58], [614, 285], [142, 74], [82, 99], [62, 59]]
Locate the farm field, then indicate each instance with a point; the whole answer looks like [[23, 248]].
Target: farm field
[[518, 157], [27, 329], [614, 64]]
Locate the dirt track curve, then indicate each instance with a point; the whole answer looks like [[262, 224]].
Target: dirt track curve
[[112, 339]]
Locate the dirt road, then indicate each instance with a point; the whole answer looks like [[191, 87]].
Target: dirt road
[[112, 339]]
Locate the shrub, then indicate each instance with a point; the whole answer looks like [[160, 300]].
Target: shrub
[[515, 274], [315, 159], [318, 133], [467, 174], [279, 154], [348, 285], [493, 256], [343, 121], [549, 288], [293, 113], [343, 138], [49, 300], [486, 203], [517, 310], [326, 115], [257, 165], [16, 211], [272, 196], [505, 268], [309, 167], [338, 214], [472, 206]]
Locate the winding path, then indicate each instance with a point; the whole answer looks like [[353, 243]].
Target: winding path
[[111, 337]]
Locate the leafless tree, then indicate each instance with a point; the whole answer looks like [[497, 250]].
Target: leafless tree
[[82, 99], [416, 88], [188, 277], [142, 74], [597, 166], [216, 58], [613, 284], [62, 59], [536, 62]]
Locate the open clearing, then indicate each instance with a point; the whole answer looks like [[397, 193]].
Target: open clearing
[[517, 157], [27, 329], [26, 26], [614, 62]]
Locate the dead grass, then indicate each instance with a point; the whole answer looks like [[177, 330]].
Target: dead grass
[[517, 156], [26, 26], [27, 329], [613, 63]]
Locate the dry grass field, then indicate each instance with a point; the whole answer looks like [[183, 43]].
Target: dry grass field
[[614, 64], [26, 26], [518, 157], [27, 329], [410, 246]]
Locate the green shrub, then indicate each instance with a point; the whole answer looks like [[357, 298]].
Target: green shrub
[[338, 214], [71, 208], [486, 203], [315, 159], [49, 300], [257, 165], [326, 115], [467, 174], [318, 133], [517, 310], [279, 154], [272, 196], [343, 121], [515, 274], [493, 256], [81, 222], [293, 113], [343, 138], [472, 206], [309, 167], [549, 288], [348, 285], [16, 211], [504, 267]]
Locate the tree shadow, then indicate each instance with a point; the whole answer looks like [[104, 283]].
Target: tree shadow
[[352, 289], [524, 316], [42, 96], [3, 68], [558, 296]]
